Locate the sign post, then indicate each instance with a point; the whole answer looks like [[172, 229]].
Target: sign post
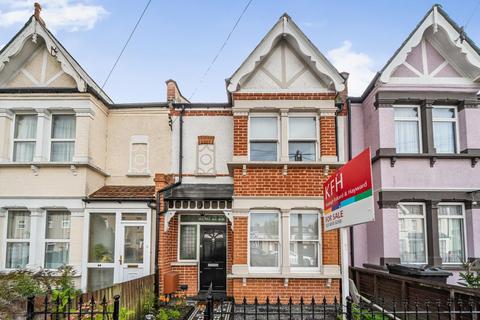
[[348, 200]]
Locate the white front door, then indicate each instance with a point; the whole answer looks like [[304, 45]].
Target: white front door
[[133, 251]]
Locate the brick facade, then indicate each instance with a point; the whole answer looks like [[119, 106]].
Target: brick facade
[[328, 137], [240, 135]]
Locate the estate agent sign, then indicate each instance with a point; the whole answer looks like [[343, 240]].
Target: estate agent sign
[[348, 195]]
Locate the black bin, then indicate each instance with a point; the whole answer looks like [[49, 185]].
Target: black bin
[[419, 272]]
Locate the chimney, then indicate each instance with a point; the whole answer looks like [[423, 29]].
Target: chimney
[[36, 13], [173, 93]]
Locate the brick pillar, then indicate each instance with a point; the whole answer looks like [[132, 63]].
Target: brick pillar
[[328, 138], [161, 181], [240, 135]]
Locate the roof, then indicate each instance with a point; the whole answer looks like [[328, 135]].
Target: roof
[[123, 193], [439, 9], [201, 191]]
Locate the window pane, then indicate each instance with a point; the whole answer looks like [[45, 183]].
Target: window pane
[[263, 151], [25, 127], [302, 128], [18, 225], [17, 255], [412, 240], [450, 210], [443, 113], [23, 151], [56, 254], [301, 151], [188, 242], [102, 237], [263, 254], [304, 227], [304, 254], [63, 127], [450, 234], [133, 245], [58, 225], [444, 136], [99, 278], [263, 128], [406, 113], [410, 209], [62, 151], [263, 226], [407, 136]]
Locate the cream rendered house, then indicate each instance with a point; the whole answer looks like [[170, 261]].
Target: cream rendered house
[[76, 170]]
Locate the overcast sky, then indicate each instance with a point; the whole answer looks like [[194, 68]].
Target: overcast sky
[[178, 39]]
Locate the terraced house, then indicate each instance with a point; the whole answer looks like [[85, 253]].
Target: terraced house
[[420, 117], [76, 170], [245, 213]]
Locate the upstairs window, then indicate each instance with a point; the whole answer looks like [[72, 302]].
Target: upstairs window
[[62, 138], [24, 138], [407, 129], [445, 129], [302, 139], [263, 138]]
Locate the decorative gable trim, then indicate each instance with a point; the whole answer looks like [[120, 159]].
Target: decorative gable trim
[[30, 32], [438, 21], [283, 29]]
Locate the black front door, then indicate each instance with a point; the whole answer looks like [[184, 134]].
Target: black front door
[[213, 257]]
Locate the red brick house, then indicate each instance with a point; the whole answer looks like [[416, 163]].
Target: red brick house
[[245, 212]]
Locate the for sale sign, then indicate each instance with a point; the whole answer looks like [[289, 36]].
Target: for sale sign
[[348, 194]]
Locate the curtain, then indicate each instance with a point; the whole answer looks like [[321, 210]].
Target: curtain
[[444, 136], [301, 128], [62, 151], [58, 225], [23, 151], [406, 136], [56, 254], [263, 128], [17, 255], [63, 127], [26, 127], [18, 225]]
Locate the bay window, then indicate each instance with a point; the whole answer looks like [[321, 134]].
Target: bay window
[[263, 137], [57, 238], [304, 240], [445, 129], [451, 233], [411, 219], [302, 139], [264, 234], [24, 138], [407, 129], [18, 239], [62, 138]]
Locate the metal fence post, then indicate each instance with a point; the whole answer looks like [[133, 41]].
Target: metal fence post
[[116, 307], [349, 308], [30, 308], [208, 314]]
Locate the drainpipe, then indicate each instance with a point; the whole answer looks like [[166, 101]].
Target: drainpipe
[[350, 151], [162, 191]]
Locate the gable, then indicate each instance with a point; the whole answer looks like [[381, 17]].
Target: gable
[[35, 58], [34, 67], [436, 53], [284, 69], [286, 60]]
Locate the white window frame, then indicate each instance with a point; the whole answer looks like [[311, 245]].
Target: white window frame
[[7, 241], [52, 240], [253, 269], [452, 120], [319, 241], [419, 122], [317, 134], [424, 218], [277, 141], [12, 151], [462, 217], [52, 140]]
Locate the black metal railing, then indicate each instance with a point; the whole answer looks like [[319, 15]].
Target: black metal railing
[[70, 309], [364, 310]]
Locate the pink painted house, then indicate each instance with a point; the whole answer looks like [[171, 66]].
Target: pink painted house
[[420, 116]]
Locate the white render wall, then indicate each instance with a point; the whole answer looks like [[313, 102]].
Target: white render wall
[[193, 126]]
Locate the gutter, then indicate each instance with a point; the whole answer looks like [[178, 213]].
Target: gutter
[[350, 151], [159, 193]]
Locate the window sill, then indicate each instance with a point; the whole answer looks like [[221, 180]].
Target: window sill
[[302, 275], [278, 164], [47, 164], [139, 175]]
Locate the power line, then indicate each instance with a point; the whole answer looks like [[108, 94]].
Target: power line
[[472, 14], [220, 50], [126, 43]]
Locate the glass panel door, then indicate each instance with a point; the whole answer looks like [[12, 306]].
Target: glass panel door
[[134, 251]]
